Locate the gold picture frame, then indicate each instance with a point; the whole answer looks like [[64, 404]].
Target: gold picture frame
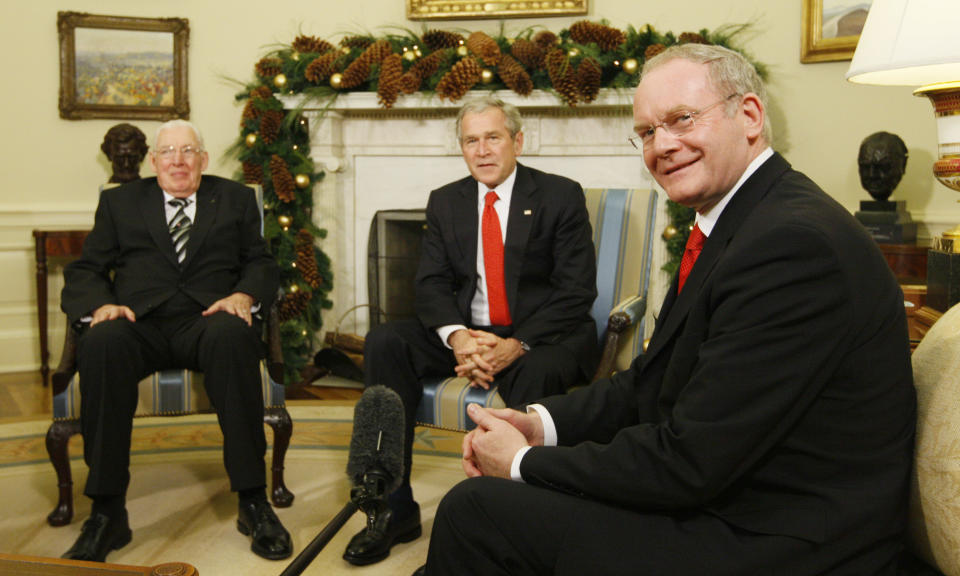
[[123, 67], [831, 34], [475, 10]]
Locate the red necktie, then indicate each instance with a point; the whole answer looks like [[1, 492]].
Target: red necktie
[[493, 263], [690, 253]]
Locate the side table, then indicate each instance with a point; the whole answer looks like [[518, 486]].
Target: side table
[[57, 243]]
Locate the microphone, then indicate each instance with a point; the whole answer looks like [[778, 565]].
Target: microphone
[[374, 466]]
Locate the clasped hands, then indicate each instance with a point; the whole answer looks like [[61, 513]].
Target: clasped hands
[[482, 355], [489, 449], [238, 304]]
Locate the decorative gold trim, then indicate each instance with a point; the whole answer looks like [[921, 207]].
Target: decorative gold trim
[[72, 109], [474, 10], [816, 48]]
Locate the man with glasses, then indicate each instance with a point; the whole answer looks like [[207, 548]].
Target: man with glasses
[[506, 280], [768, 428], [172, 276]]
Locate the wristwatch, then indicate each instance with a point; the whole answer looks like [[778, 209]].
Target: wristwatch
[[524, 345]]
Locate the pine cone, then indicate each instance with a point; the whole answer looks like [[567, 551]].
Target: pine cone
[[485, 47], [562, 76], [358, 70], [545, 39], [652, 50], [528, 53], [321, 68], [252, 173], [421, 70], [515, 76], [292, 305], [270, 121], [311, 44], [460, 79], [437, 39], [581, 32], [268, 67], [261, 93], [606, 38], [283, 184], [589, 75], [691, 38], [388, 88], [250, 111], [306, 260], [356, 41]]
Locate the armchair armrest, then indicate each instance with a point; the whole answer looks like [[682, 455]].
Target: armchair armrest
[[68, 362], [622, 317]]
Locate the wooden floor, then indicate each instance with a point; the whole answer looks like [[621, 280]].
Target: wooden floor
[[22, 397]]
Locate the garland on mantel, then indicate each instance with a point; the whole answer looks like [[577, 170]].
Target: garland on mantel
[[273, 146]]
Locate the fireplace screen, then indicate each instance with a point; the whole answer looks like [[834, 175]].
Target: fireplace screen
[[393, 252]]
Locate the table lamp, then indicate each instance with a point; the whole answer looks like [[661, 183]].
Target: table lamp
[[915, 43]]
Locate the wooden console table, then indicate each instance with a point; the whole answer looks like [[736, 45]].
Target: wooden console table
[[14, 564], [57, 243]]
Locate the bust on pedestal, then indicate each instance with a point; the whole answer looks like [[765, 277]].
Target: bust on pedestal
[[882, 161]]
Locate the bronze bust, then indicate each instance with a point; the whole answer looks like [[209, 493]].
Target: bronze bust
[[882, 160], [126, 146]]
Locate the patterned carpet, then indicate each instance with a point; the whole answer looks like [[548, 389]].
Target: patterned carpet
[[180, 505]]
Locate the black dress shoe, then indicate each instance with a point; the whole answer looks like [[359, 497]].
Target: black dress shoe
[[421, 571], [373, 543], [100, 534], [270, 539]]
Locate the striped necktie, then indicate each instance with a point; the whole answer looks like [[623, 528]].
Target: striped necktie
[[179, 227]]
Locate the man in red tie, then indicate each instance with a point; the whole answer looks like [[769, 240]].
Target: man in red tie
[[769, 426], [506, 280]]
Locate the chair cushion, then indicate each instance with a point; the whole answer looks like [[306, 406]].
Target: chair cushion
[[445, 401], [934, 525], [167, 393]]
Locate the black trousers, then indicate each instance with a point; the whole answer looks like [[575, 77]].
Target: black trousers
[[114, 355], [492, 526], [398, 354]]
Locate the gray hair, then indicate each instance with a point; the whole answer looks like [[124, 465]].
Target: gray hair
[[513, 119], [179, 123], [730, 73]]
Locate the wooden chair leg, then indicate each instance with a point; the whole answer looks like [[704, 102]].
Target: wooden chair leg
[[58, 438], [279, 419]]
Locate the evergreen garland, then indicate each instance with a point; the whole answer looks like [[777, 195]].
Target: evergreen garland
[[273, 145]]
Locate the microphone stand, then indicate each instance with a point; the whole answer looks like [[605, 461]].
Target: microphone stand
[[369, 497]]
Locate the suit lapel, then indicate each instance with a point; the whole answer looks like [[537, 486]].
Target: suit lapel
[[676, 306], [523, 202], [464, 217], [155, 216], [206, 196]]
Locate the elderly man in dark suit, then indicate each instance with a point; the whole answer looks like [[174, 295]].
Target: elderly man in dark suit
[[506, 280], [769, 427], [172, 275]]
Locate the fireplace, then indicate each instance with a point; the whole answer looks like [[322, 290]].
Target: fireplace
[[393, 252], [389, 160]]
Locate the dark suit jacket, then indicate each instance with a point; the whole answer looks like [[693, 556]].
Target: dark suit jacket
[[549, 262], [129, 259], [776, 392]]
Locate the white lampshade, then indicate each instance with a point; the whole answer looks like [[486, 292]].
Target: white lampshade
[[908, 43]]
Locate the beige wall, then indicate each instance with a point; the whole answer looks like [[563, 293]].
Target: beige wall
[[51, 168]]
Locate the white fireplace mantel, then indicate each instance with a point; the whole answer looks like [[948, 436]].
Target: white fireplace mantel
[[378, 159]]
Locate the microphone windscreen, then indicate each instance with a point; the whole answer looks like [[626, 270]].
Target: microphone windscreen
[[378, 430]]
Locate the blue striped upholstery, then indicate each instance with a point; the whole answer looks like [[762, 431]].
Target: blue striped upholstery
[[622, 222], [167, 393]]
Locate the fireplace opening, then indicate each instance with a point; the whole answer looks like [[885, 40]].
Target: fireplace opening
[[393, 253]]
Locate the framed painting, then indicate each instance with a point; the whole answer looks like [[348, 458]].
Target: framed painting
[[831, 29], [120, 67], [474, 9]]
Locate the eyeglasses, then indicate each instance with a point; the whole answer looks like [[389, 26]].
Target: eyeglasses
[[170, 152], [677, 124]]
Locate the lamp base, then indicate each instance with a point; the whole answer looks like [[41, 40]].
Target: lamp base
[[943, 279]]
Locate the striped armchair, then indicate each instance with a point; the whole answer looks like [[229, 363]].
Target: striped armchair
[[166, 393], [622, 222]]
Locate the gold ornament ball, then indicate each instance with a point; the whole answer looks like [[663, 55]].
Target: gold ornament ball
[[486, 76], [630, 65], [250, 140], [302, 181], [294, 289], [336, 80], [462, 50], [409, 56], [573, 52], [295, 56], [280, 80], [345, 50], [669, 232], [284, 220]]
